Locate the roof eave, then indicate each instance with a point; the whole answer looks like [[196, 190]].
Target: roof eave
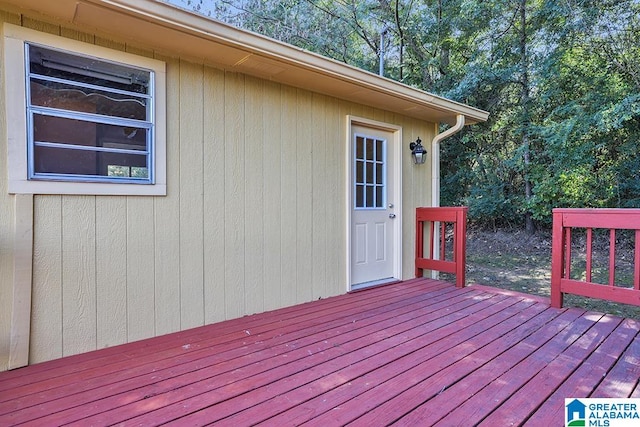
[[169, 30]]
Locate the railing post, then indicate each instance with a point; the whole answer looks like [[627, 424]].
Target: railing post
[[460, 235], [557, 259], [419, 244]]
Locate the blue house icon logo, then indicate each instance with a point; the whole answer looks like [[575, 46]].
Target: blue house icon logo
[[576, 413]]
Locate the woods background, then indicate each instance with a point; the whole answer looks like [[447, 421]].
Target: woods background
[[561, 80]]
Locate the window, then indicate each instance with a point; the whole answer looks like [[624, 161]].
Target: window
[[370, 182], [85, 120]]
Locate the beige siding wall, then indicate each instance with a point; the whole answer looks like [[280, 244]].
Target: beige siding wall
[[254, 218]]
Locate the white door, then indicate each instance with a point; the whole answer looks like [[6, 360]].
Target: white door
[[373, 208]]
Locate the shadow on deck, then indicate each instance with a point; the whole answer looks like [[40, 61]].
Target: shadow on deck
[[421, 352]]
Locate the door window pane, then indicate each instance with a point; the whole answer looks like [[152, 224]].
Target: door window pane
[[370, 199], [369, 148], [360, 196], [369, 172]]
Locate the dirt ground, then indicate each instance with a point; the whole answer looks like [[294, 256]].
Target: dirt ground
[[517, 261]]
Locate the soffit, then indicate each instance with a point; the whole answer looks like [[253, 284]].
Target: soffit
[[174, 32]]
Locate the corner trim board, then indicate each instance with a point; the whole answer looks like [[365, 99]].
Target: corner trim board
[[22, 281]]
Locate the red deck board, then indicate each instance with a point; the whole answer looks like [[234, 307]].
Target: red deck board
[[623, 377], [185, 372], [542, 352], [551, 377], [537, 352], [245, 357], [467, 357], [455, 396], [299, 359], [140, 354], [414, 353], [363, 375], [225, 331], [429, 370], [319, 378], [581, 383], [87, 360]]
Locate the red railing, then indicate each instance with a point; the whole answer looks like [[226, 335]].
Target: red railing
[[562, 282], [455, 216]]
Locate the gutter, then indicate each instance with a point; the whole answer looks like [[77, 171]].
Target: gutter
[[435, 158]]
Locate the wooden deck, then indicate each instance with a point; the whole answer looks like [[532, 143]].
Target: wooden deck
[[420, 352]]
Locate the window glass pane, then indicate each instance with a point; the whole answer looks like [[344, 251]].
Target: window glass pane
[[360, 171], [82, 69], [359, 196], [90, 134], [370, 174], [379, 174], [53, 160], [76, 98], [370, 147], [64, 131], [359, 147], [379, 150], [379, 196], [370, 199]]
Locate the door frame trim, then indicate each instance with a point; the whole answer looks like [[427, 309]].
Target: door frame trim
[[396, 145]]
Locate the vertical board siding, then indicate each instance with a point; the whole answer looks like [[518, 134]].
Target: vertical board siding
[[140, 266], [46, 294], [288, 200], [234, 185], [79, 327], [416, 181], [254, 145], [319, 197], [336, 253], [166, 212], [111, 277], [272, 181], [305, 144], [214, 195], [253, 220], [191, 190]]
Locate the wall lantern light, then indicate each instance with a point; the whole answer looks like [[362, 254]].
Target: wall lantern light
[[418, 152]]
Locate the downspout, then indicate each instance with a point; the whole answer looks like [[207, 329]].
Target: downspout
[[435, 178], [435, 158]]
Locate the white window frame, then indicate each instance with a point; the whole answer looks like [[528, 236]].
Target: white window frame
[[15, 38]]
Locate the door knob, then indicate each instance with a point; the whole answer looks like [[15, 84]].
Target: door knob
[[392, 216]]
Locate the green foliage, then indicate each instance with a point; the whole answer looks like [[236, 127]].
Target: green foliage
[[560, 79]]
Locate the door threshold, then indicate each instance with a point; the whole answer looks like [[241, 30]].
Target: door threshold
[[372, 283]]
